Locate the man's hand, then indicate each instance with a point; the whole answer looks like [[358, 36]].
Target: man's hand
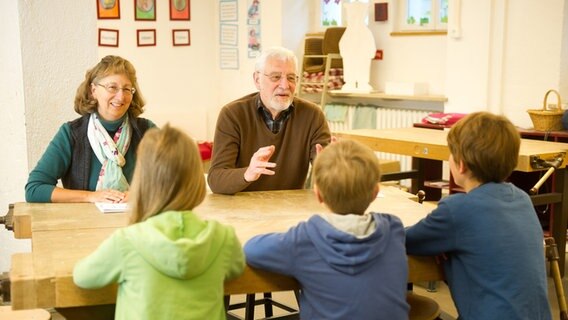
[[259, 164]]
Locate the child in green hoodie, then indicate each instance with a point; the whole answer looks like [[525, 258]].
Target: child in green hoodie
[[169, 263]]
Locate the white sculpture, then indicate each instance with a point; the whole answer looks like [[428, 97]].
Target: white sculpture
[[357, 48]]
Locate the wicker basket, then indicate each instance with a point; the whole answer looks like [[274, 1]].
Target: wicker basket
[[545, 119]]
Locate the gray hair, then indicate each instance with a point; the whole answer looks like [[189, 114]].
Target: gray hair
[[279, 53]]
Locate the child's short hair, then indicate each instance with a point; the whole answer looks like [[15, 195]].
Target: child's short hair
[[488, 145], [346, 173], [168, 174]]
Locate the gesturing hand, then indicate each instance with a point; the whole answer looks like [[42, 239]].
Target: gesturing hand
[[259, 164]]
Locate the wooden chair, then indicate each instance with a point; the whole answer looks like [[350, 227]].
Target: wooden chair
[[551, 253], [6, 312], [422, 308]]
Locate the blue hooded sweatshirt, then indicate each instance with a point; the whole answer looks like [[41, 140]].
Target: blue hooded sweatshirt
[[343, 276]]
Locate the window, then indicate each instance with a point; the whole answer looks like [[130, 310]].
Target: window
[[423, 15], [330, 13]]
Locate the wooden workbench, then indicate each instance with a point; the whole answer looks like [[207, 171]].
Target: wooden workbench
[[427, 144], [64, 233]]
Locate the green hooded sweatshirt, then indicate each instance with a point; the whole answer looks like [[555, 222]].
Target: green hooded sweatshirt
[[171, 266]]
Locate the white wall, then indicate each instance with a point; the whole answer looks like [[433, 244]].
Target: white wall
[[13, 162], [178, 83]]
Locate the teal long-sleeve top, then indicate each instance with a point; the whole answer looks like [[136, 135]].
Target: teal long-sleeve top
[[56, 161]]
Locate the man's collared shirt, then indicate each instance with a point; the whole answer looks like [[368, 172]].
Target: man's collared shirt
[[274, 125]]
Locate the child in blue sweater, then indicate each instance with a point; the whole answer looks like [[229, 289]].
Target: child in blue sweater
[[490, 234], [351, 265]]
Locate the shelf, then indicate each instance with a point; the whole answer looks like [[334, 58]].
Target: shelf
[[384, 96]]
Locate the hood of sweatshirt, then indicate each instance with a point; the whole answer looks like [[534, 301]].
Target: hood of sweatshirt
[[346, 252], [178, 243]]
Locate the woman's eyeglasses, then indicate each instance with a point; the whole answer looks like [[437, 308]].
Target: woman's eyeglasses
[[114, 89]]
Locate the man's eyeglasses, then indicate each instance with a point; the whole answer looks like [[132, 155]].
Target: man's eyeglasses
[[276, 77], [114, 89]]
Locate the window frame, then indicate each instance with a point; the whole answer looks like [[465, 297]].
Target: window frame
[[434, 26]]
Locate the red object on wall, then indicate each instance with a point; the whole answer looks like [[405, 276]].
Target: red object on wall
[[205, 149], [381, 11]]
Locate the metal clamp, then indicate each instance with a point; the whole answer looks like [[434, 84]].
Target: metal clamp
[[8, 219], [555, 162], [538, 163]]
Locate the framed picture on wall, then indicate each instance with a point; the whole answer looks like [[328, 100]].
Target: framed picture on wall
[[108, 37], [145, 10], [180, 10], [180, 37], [146, 37], [108, 9]]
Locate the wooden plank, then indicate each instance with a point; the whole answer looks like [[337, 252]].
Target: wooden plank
[[6, 313], [59, 216]]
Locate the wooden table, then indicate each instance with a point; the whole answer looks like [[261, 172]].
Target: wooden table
[[428, 144], [64, 233]]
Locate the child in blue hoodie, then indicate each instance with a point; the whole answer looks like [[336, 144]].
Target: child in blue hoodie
[[350, 264], [169, 264]]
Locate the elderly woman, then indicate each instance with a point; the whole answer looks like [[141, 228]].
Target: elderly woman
[[94, 155]]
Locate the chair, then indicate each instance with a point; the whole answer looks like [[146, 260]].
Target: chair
[[422, 308], [321, 56]]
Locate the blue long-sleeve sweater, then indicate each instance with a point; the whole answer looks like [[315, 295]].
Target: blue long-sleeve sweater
[[493, 241]]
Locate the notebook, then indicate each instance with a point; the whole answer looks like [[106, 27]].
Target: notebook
[[111, 207]]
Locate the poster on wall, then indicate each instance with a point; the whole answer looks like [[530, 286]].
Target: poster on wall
[[253, 12], [253, 41], [180, 10], [108, 9], [228, 10], [253, 28], [145, 10], [229, 34], [229, 58]]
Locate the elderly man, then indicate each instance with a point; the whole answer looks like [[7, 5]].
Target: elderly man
[[267, 139]]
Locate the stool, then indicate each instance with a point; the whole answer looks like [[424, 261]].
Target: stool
[[6, 312], [422, 308], [267, 302]]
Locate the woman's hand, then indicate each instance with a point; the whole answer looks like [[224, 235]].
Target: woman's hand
[[110, 196]]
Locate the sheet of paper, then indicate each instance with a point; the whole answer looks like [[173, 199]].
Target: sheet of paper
[[111, 207]]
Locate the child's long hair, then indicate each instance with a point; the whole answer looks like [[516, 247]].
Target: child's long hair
[[168, 174]]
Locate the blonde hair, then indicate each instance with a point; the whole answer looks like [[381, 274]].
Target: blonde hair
[[85, 103], [488, 145], [168, 174], [346, 174]]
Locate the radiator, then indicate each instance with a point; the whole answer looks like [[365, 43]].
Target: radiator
[[386, 118]]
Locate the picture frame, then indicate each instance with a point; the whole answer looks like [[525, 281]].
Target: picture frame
[[180, 10], [146, 37], [108, 9], [145, 10], [181, 37], [108, 37]]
